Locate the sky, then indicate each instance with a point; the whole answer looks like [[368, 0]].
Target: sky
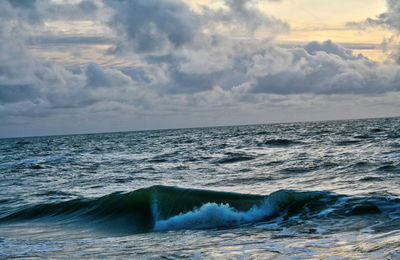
[[89, 66]]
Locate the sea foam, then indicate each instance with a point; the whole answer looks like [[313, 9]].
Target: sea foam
[[212, 215]]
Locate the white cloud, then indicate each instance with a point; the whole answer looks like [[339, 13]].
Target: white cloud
[[326, 68]]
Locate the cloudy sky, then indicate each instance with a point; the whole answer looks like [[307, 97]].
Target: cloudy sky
[[105, 65]]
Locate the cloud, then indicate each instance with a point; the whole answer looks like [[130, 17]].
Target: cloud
[[157, 26], [179, 78], [150, 26], [10, 92], [329, 47], [61, 39], [177, 56], [83, 10], [243, 16], [46, 85], [388, 20], [186, 64], [264, 68], [97, 76], [189, 60], [34, 12], [326, 69]]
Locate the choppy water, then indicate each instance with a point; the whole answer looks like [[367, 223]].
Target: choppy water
[[300, 190]]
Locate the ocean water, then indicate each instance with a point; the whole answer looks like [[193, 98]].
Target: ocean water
[[310, 190]]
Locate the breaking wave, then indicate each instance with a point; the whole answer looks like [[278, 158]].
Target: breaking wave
[[170, 208]]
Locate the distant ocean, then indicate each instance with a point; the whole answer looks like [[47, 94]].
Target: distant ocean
[[297, 190]]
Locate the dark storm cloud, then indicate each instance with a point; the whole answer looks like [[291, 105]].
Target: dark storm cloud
[[181, 81], [329, 47], [84, 10], [35, 12], [153, 25], [25, 11], [23, 3], [96, 77], [241, 13], [10, 93], [156, 26], [389, 19], [192, 82], [16, 82]]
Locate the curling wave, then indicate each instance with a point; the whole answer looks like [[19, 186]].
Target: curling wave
[[170, 208]]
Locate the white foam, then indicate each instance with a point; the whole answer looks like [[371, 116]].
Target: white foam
[[215, 215], [221, 215], [39, 159]]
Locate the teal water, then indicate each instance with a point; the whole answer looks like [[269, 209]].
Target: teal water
[[300, 190]]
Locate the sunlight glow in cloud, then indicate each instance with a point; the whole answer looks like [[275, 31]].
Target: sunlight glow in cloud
[[122, 65]]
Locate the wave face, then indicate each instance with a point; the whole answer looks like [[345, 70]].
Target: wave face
[[135, 211], [281, 142], [170, 208]]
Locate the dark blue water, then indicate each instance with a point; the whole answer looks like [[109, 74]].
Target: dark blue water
[[307, 190]]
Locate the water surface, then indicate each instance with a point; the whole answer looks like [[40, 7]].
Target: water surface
[[304, 190]]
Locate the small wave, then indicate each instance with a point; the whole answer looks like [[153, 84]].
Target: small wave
[[158, 160], [364, 208], [347, 142], [296, 170], [184, 140], [388, 168], [274, 163], [364, 136], [372, 178], [34, 161], [234, 158], [54, 193], [22, 143], [376, 130], [35, 166], [280, 142], [393, 135], [164, 157], [263, 133], [396, 155], [361, 164]]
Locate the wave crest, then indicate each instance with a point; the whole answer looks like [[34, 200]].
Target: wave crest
[[170, 208]]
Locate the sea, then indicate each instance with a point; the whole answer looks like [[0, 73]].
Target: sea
[[310, 190]]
